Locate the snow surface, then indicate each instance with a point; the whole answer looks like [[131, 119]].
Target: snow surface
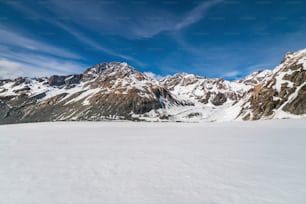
[[122, 162]]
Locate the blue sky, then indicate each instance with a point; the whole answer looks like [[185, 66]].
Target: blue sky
[[216, 38]]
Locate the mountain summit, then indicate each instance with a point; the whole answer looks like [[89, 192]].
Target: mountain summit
[[118, 91]]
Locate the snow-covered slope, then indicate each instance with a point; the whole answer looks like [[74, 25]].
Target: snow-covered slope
[[281, 93], [105, 91], [261, 162], [118, 91], [204, 90], [214, 99], [256, 77]]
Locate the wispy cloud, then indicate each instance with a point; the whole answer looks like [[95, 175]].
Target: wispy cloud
[[14, 39], [257, 67], [196, 14], [101, 28], [231, 74], [85, 17], [117, 19], [10, 68], [93, 44], [153, 75], [99, 18], [149, 27], [23, 56]]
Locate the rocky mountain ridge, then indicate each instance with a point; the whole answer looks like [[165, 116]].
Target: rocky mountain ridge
[[281, 93], [118, 91]]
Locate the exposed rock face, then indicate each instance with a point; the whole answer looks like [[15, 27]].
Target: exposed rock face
[[281, 91], [118, 91], [72, 80], [68, 81], [56, 80], [105, 91], [298, 105], [219, 99], [203, 90]]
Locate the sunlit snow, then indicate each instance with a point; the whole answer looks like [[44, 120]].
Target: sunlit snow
[[122, 162]]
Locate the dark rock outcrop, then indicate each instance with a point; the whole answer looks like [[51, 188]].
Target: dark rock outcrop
[[56, 80], [219, 99]]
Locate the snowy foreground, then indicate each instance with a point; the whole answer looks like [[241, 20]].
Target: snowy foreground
[[121, 162]]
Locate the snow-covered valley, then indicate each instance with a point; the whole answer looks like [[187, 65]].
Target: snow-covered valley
[[261, 162]]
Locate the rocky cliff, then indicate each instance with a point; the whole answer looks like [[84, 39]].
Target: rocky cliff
[[281, 92], [118, 91]]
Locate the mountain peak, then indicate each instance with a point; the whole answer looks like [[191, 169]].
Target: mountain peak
[[109, 67], [116, 90]]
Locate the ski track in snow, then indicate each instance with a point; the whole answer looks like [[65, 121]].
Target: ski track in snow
[[260, 162]]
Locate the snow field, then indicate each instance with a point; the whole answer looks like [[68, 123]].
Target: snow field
[[122, 162]]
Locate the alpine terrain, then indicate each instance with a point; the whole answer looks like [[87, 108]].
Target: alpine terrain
[[118, 91]]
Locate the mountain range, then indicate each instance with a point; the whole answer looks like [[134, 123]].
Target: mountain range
[[117, 91]]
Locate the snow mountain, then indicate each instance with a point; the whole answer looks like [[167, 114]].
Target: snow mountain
[[118, 91], [281, 93]]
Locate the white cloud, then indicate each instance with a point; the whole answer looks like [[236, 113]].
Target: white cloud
[[105, 21], [196, 14], [231, 74], [258, 67], [82, 38], [116, 18], [153, 75], [10, 69], [38, 63], [21, 55], [69, 10], [171, 23], [36, 67], [14, 39]]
